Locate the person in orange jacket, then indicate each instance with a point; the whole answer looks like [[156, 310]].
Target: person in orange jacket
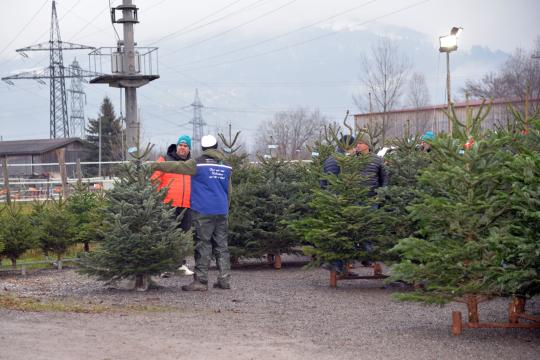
[[179, 185]]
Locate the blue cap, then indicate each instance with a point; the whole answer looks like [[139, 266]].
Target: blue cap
[[184, 139], [429, 135]]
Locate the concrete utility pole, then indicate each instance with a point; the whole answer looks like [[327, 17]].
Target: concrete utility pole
[[132, 120], [126, 70]]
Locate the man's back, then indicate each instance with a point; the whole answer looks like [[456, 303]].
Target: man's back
[[210, 184]]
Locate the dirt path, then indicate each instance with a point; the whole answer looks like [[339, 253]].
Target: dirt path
[[286, 314]]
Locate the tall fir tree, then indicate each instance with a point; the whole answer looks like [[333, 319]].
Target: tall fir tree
[[111, 135], [142, 237]]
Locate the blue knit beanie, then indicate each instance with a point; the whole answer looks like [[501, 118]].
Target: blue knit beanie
[[429, 135], [184, 139]]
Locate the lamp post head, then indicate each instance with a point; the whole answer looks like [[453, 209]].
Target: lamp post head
[[456, 31], [448, 43]]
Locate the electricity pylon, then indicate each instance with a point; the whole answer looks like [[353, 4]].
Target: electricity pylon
[[198, 123], [56, 73], [78, 100]]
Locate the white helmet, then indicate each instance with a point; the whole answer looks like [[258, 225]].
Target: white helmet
[[208, 141]]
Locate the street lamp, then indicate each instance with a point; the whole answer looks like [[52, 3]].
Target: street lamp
[[447, 44]]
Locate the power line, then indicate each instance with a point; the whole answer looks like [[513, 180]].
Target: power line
[[89, 23], [22, 30], [112, 23], [284, 34], [187, 29], [199, 42], [305, 41]]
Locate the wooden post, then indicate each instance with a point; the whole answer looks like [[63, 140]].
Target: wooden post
[[6, 179], [277, 262], [456, 323], [60, 153], [333, 279], [79, 172], [377, 269], [516, 307], [472, 308]]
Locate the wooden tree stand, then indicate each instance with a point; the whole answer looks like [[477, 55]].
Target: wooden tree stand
[[516, 311], [274, 260], [377, 274]]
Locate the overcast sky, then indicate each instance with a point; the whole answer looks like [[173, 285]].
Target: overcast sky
[[173, 24]]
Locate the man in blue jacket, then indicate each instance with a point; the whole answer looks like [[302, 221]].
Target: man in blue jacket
[[210, 194]]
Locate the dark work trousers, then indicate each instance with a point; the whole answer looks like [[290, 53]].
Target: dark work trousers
[[185, 223], [211, 232]]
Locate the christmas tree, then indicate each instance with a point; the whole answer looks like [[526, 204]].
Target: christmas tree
[[262, 203], [404, 164], [16, 233], [56, 231], [87, 210], [464, 216], [519, 273], [142, 237], [342, 223], [276, 202]]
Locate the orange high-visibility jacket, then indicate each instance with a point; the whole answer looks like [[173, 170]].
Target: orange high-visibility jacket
[[179, 192]]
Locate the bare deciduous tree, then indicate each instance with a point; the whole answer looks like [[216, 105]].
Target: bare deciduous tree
[[291, 131], [418, 96], [384, 73], [520, 71], [418, 92]]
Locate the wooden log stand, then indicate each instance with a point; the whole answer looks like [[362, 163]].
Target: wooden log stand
[[516, 311], [377, 274], [274, 260]]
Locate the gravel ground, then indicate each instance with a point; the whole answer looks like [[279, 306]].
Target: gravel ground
[[290, 313]]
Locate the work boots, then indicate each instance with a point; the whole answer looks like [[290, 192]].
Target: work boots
[[195, 285], [222, 283]]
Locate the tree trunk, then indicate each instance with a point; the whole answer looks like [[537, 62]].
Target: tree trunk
[[14, 263]]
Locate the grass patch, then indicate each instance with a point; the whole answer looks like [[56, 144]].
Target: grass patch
[[28, 304], [37, 255]]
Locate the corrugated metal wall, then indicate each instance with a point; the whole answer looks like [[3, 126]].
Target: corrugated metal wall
[[434, 119]]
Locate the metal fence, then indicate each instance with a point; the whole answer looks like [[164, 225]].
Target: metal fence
[[50, 185]]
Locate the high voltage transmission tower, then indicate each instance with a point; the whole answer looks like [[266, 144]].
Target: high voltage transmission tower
[[198, 123], [56, 73], [78, 100]]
